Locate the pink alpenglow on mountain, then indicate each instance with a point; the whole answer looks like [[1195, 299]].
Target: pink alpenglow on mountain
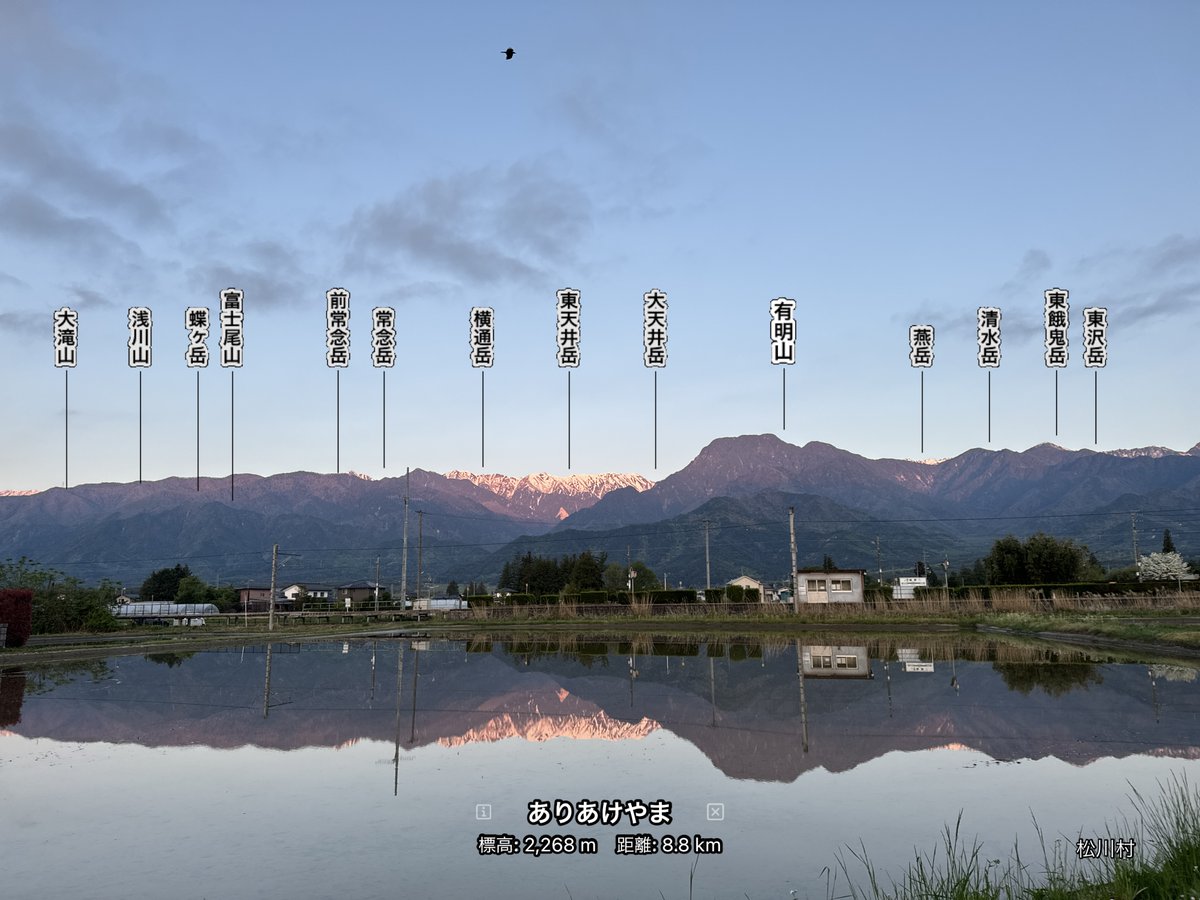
[[569, 493]]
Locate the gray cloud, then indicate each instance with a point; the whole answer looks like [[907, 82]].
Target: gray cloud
[[1035, 264], [482, 227], [1174, 252], [11, 280], [1177, 301], [25, 215], [31, 324], [271, 277], [35, 51], [86, 298], [42, 159]]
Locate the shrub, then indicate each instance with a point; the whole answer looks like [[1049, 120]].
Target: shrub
[[16, 611]]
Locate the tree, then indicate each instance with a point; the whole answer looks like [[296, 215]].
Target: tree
[[163, 584], [1168, 544], [644, 579], [1161, 566], [585, 572], [192, 590], [828, 564], [1041, 559], [616, 577], [452, 588], [1006, 563]]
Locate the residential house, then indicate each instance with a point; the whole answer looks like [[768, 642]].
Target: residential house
[[254, 599], [358, 593], [315, 593], [766, 593]]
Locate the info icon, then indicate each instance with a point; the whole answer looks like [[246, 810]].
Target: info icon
[[483, 812]]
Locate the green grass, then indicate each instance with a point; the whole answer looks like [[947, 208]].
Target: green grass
[[1165, 863], [1101, 625]]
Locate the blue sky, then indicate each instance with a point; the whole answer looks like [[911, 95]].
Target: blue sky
[[883, 165]]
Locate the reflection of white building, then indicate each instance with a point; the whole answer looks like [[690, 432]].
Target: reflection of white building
[[835, 662], [837, 586]]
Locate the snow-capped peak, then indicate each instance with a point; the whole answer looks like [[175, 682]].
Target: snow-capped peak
[[595, 486], [1151, 452]]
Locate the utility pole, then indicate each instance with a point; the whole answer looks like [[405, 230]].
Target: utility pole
[[377, 584], [707, 567], [420, 548], [792, 536], [879, 560], [1137, 560], [404, 557], [271, 605]]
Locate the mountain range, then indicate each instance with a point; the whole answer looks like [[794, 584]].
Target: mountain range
[[875, 514]]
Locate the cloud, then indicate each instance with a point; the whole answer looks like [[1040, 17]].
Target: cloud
[[44, 161], [1035, 264], [36, 53], [481, 227], [1174, 252], [86, 298], [1177, 301], [11, 280], [25, 215], [33, 324], [270, 273]]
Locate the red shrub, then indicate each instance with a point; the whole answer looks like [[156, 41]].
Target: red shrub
[[16, 611]]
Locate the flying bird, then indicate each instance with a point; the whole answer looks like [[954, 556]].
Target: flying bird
[[508, 54]]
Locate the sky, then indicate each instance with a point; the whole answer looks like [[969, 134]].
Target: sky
[[883, 165]]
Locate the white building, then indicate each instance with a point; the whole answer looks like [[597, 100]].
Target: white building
[[836, 586]]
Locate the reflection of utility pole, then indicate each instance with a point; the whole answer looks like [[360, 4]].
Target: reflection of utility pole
[[803, 700], [374, 647], [412, 734], [633, 673], [712, 691], [399, 683], [1153, 692], [267, 684], [887, 676]]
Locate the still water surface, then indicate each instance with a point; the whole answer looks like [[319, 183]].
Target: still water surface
[[365, 769]]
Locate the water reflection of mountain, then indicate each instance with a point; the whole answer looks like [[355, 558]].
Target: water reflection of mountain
[[742, 704]]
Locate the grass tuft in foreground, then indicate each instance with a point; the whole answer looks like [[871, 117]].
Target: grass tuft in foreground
[[1165, 863]]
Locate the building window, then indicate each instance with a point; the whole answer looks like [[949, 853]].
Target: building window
[[822, 661], [847, 662], [816, 584], [840, 584]]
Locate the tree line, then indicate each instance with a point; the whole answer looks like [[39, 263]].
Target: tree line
[[575, 574]]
